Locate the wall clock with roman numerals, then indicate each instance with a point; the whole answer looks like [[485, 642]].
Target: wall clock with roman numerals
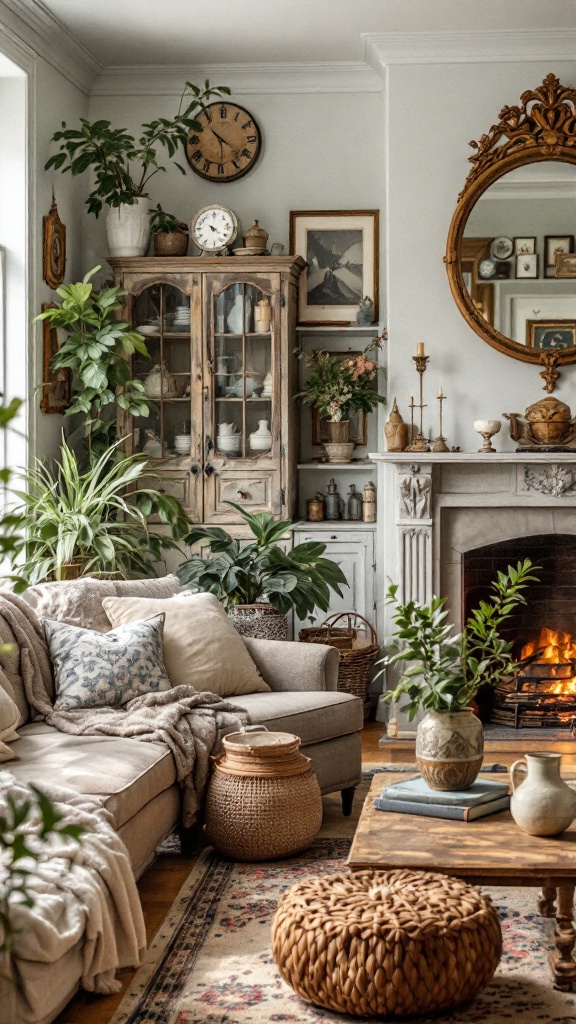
[[229, 144]]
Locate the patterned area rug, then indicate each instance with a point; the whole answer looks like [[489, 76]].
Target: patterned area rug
[[211, 963]]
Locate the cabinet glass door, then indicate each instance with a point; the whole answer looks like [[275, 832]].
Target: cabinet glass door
[[243, 371], [161, 313]]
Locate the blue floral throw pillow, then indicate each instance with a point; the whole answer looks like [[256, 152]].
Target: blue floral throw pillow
[[105, 669]]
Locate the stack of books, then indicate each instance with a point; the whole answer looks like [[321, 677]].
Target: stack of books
[[414, 796]]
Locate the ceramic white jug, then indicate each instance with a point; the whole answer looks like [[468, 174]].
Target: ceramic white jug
[[542, 805], [236, 315], [261, 439], [226, 429]]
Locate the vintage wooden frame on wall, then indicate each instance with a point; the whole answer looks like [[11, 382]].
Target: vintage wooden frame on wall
[[367, 221], [543, 128], [56, 392], [53, 248]]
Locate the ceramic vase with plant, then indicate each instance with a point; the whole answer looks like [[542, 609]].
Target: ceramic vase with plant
[[444, 671], [170, 234], [123, 165], [338, 386], [259, 583]]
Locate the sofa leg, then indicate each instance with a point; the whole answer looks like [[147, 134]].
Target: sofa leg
[[188, 841], [347, 800]]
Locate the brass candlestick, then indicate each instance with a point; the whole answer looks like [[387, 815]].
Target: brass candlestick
[[411, 407], [440, 444], [420, 444]]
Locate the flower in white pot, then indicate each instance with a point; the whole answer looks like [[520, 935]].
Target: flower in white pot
[[123, 165], [444, 670]]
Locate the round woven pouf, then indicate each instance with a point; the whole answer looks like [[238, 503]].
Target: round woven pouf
[[263, 800], [386, 943]]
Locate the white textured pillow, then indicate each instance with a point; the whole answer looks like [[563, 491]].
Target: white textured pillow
[[9, 719], [201, 647], [79, 602]]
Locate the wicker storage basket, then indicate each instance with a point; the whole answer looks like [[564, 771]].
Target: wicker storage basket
[[259, 621], [356, 661], [334, 636], [386, 943], [263, 800]]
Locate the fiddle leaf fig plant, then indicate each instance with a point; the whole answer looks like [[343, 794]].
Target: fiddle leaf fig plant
[[443, 669], [122, 164], [237, 573]]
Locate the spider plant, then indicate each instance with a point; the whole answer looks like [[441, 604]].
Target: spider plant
[[239, 573], [95, 520]]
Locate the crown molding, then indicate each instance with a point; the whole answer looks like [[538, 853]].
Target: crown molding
[[311, 77], [382, 49], [503, 189], [37, 29]]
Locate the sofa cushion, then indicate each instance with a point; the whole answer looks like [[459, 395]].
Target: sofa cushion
[[201, 647], [125, 774], [311, 716], [94, 669], [9, 719], [79, 602]]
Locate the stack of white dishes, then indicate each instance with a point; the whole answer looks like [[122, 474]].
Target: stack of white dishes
[[182, 318], [183, 443], [228, 439]]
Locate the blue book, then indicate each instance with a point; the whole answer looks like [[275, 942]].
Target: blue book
[[417, 791], [443, 810]]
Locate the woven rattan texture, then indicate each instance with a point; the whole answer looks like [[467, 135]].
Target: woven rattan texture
[[357, 655], [386, 943], [251, 818]]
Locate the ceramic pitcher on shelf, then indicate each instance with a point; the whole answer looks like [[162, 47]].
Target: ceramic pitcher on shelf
[[542, 805]]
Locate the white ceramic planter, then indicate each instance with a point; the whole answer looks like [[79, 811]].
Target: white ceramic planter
[[128, 229], [542, 805], [449, 749]]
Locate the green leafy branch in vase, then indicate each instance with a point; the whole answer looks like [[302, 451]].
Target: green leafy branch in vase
[[446, 669], [338, 385]]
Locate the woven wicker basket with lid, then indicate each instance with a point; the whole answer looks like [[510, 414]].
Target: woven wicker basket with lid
[[264, 800]]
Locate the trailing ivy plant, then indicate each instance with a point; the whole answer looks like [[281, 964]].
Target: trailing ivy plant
[[94, 349], [446, 669], [122, 164], [237, 573]]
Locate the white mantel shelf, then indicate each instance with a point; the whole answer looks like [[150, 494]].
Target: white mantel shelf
[[473, 458]]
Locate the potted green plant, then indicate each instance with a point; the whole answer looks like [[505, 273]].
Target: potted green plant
[[170, 234], [444, 671], [123, 165], [259, 582], [93, 348], [338, 386], [72, 523]]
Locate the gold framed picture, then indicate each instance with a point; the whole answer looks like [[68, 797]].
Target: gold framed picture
[[551, 335], [341, 249], [53, 248], [565, 265], [56, 393]]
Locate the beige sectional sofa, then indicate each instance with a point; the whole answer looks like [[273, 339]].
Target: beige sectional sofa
[[136, 780]]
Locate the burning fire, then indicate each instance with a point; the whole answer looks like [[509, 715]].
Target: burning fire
[[553, 648]]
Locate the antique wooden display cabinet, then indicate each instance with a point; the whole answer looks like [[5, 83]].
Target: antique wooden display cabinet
[[220, 332]]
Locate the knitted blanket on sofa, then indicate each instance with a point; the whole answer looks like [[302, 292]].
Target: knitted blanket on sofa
[[191, 724]]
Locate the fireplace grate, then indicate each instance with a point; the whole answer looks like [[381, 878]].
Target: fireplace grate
[[540, 696]]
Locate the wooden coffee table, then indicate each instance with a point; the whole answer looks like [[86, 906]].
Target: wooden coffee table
[[489, 851]]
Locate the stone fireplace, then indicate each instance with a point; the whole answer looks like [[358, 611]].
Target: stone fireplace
[[451, 521]]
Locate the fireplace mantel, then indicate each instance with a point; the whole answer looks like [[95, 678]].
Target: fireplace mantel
[[473, 458]]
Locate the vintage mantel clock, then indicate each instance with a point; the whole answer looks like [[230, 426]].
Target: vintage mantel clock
[[213, 229], [228, 145]]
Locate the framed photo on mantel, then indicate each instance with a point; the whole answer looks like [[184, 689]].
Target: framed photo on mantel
[[341, 249]]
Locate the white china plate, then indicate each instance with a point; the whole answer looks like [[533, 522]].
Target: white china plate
[[502, 248]]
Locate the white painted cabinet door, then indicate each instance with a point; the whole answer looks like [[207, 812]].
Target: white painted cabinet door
[[354, 553]]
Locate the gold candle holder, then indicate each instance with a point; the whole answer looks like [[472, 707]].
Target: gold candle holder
[[440, 443], [420, 444]]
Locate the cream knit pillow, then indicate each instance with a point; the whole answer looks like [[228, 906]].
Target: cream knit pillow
[[201, 647]]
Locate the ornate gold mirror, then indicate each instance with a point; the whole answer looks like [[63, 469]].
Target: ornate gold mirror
[[509, 248]]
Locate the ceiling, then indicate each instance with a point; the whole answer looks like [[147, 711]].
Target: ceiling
[[146, 32]]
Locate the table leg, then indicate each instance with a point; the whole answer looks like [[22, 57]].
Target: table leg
[[547, 901], [562, 962]]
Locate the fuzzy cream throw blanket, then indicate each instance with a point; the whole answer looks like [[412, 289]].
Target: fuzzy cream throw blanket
[[191, 724], [85, 905]]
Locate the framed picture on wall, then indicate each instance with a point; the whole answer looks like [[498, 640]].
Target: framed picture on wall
[[527, 266], [565, 265], [551, 335], [56, 392], [341, 249], [524, 246]]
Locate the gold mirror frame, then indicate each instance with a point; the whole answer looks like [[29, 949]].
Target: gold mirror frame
[[542, 128]]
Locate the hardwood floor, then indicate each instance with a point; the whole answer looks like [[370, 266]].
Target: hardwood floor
[[160, 885]]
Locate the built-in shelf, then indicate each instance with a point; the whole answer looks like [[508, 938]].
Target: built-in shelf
[[337, 466], [350, 329]]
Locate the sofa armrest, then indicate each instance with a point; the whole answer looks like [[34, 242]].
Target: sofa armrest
[[287, 665]]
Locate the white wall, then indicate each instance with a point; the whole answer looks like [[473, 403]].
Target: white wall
[[322, 152], [434, 110]]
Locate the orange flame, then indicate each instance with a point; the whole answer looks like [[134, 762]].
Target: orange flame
[[553, 648]]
